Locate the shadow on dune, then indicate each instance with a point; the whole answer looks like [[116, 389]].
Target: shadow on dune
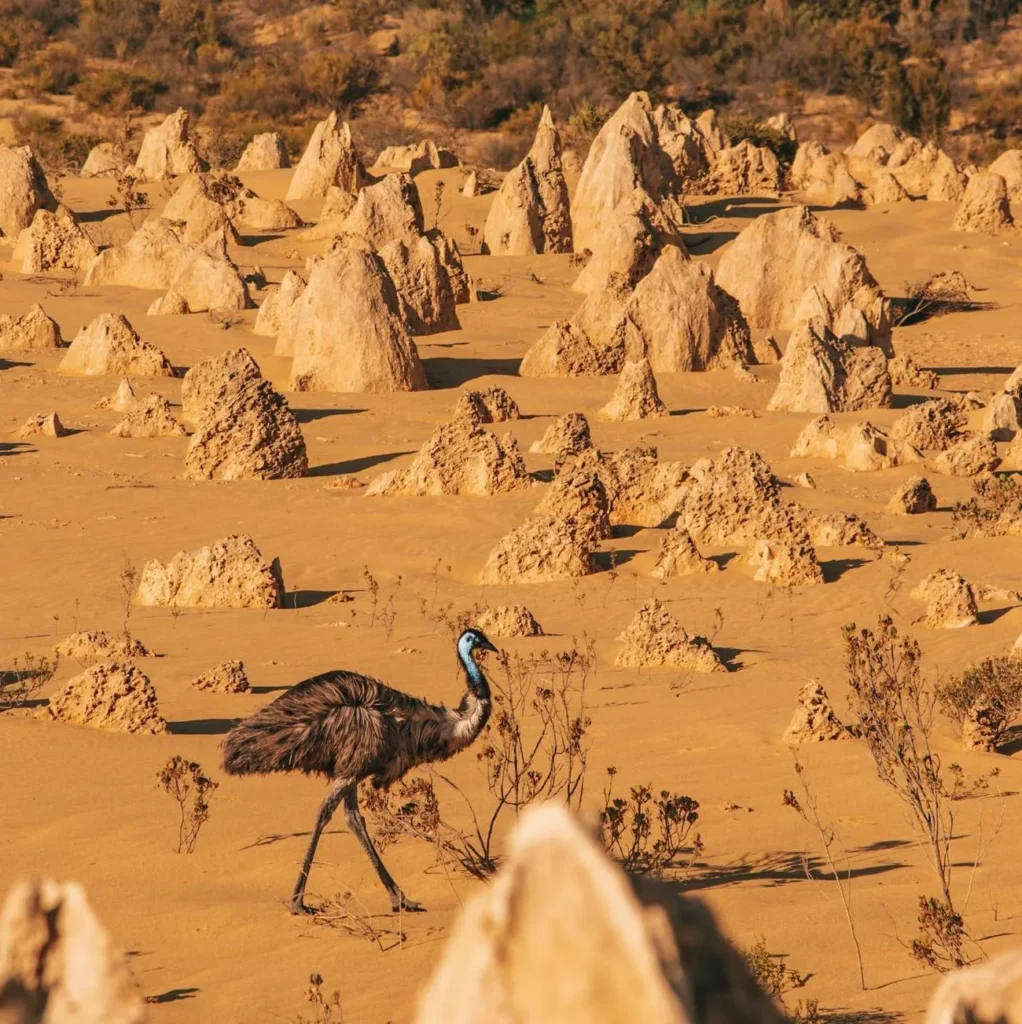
[[308, 598], [354, 465], [93, 216], [448, 372], [269, 689], [837, 567], [311, 415], [993, 614], [203, 726]]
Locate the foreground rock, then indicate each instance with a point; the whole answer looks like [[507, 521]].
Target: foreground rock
[[950, 600], [90, 646], [988, 993], [636, 396], [33, 331], [228, 574], [245, 429], [821, 373], [227, 677], [23, 189], [773, 263], [543, 549], [459, 458], [508, 620], [655, 637], [53, 241], [530, 212], [814, 720], [329, 159], [625, 950], [985, 207], [349, 335], [109, 344], [114, 696], [266, 152], [166, 150], [58, 963]]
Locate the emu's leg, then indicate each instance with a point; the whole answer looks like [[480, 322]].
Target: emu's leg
[[357, 825], [326, 812]]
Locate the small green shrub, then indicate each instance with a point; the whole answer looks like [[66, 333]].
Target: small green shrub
[[738, 129], [994, 684]]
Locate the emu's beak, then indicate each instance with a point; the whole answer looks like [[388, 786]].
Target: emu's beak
[[488, 647]]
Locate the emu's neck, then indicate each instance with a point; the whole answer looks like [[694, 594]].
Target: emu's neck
[[474, 710]]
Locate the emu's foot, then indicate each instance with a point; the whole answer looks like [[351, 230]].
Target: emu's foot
[[399, 901], [298, 906]]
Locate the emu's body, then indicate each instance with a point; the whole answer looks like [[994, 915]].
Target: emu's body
[[352, 727]]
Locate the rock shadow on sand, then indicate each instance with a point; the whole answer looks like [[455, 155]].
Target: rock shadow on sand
[[354, 465], [448, 372], [203, 726]]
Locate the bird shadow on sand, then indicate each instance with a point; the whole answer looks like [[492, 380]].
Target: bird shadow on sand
[[354, 465], [268, 689], [278, 837], [449, 372], [173, 995], [203, 726]]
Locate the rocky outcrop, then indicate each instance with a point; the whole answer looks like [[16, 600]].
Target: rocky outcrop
[[149, 259], [245, 429], [541, 550], [166, 150], [568, 435], [926, 170], [90, 646], [414, 159], [784, 564], [105, 160], [1009, 166], [58, 963], [950, 600], [151, 418], [635, 397], [230, 573], [814, 720], [985, 207], [123, 399], [23, 189], [33, 331], [579, 493], [349, 335], [227, 677], [329, 159], [772, 264], [625, 950], [276, 316], [389, 211], [860, 448], [745, 169], [424, 291], [530, 212], [969, 457], [678, 556], [44, 425], [906, 372], [828, 182], [109, 344], [114, 696], [508, 620], [53, 241], [459, 458], [494, 405], [655, 637], [266, 152], [821, 373], [885, 189], [934, 425], [913, 498], [624, 156], [205, 278]]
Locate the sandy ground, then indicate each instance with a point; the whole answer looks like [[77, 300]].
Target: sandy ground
[[208, 933]]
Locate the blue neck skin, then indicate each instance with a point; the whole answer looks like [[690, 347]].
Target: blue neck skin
[[476, 680]]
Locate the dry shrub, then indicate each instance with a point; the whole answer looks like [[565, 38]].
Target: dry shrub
[[535, 748], [54, 68], [325, 1009], [995, 684], [937, 295], [736, 129], [59, 151], [345, 911], [118, 90], [193, 790], [24, 679], [650, 835], [777, 979], [127, 196]]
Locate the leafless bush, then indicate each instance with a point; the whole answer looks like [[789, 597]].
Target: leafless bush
[[24, 679], [186, 782], [650, 834], [535, 748], [994, 500], [945, 292], [894, 711], [344, 910], [131, 199], [995, 684], [325, 1010]]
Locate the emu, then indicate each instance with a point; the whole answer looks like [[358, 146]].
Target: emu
[[351, 727]]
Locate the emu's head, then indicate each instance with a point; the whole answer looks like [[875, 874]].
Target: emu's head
[[472, 640]]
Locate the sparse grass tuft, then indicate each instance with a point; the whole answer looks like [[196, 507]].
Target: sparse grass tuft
[[193, 790]]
